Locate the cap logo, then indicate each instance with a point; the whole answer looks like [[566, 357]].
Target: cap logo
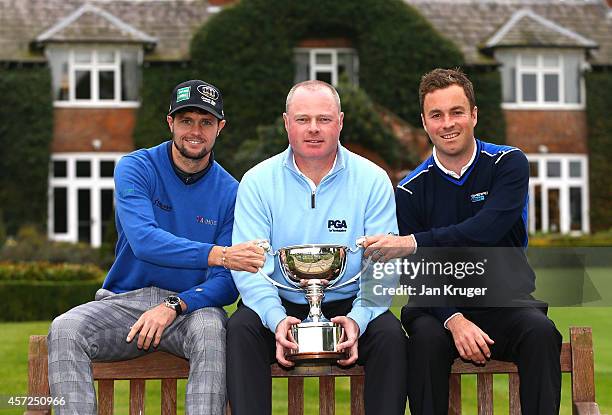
[[183, 94], [208, 92]]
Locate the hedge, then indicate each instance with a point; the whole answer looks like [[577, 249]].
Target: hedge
[[26, 130], [43, 300]]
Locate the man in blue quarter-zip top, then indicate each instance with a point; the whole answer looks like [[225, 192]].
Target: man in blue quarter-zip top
[[171, 275], [469, 200], [314, 192]]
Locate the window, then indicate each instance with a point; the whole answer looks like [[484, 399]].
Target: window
[[100, 76], [558, 193], [81, 196], [326, 64], [541, 79]]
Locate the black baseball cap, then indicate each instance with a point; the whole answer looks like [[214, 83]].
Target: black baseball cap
[[199, 94]]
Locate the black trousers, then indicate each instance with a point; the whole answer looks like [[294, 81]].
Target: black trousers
[[525, 336], [251, 349]]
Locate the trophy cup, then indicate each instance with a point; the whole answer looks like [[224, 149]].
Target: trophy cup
[[314, 269]]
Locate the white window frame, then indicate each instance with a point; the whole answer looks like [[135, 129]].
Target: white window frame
[[95, 67], [540, 70], [563, 183], [331, 67], [94, 183]]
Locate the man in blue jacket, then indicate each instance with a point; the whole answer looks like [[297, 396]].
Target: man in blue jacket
[[472, 195], [316, 191], [170, 278]]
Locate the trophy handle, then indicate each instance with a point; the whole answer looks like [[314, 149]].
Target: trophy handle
[[276, 283]]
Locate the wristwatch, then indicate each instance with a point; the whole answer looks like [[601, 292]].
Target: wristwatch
[[173, 302]]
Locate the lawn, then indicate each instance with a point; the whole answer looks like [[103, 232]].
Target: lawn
[[13, 369]]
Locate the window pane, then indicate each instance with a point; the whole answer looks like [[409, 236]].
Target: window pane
[[107, 168], [82, 56], [58, 62], [529, 87], [84, 215], [508, 75], [551, 88], [324, 76], [575, 168], [106, 211], [529, 59], [554, 215], [537, 199], [302, 67], [550, 60], [106, 82], [131, 76], [60, 210], [83, 168], [572, 77], [59, 168], [323, 58], [106, 56], [533, 169], [553, 168], [348, 67], [575, 208], [83, 84]]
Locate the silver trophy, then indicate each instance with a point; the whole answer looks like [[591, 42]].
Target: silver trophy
[[314, 269]]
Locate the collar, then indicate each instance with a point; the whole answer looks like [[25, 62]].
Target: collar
[[463, 169], [189, 178], [313, 186]]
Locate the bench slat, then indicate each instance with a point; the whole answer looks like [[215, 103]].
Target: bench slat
[[155, 365], [514, 396], [106, 397], [485, 393], [357, 385], [327, 395], [454, 394], [137, 395], [295, 396], [583, 375], [168, 396]]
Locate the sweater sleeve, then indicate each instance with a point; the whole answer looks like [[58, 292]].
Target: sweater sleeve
[[379, 219], [218, 290], [501, 210], [149, 242], [253, 221]]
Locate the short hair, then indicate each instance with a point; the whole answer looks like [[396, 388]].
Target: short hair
[[443, 78], [312, 85]]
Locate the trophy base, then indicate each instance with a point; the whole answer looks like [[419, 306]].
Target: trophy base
[[317, 343]]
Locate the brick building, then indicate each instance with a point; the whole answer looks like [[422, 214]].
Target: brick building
[[96, 51]]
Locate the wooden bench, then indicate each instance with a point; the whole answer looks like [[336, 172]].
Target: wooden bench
[[576, 358]]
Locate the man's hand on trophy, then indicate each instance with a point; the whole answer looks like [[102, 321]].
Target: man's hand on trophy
[[247, 256], [350, 339], [381, 248], [284, 340]]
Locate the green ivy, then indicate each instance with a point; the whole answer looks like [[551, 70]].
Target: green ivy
[[26, 130], [598, 87]]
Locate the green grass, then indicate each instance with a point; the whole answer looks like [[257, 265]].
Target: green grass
[[14, 355]]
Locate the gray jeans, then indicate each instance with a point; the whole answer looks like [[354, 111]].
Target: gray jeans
[[96, 331]]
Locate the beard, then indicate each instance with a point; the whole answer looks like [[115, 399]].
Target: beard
[[180, 146]]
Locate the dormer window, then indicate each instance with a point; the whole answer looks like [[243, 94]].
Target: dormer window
[[98, 76], [326, 64], [542, 79]]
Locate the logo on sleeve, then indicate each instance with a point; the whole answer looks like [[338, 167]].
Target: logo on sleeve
[[478, 197], [162, 205], [337, 225], [206, 221]]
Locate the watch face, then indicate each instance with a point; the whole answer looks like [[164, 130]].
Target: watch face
[[173, 300]]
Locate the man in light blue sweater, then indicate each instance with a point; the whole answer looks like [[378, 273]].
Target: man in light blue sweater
[[170, 278], [314, 192]]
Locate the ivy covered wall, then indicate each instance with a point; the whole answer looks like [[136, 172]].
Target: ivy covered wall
[[26, 130]]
